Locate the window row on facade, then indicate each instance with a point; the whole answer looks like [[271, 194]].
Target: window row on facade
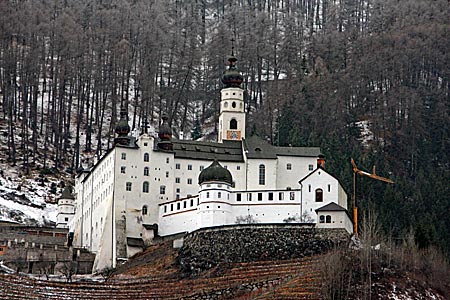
[[270, 196], [179, 205]]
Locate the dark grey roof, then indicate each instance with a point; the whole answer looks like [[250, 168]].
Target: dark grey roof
[[331, 207], [226, 151], [298, 151], [131, 143], [67, 193], [135, 242], [255, 147], [259, 148], [215, 172]]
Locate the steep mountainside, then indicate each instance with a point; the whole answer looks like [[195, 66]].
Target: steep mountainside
[[362, 79]]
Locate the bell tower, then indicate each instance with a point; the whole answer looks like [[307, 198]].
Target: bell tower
[[232, 111]]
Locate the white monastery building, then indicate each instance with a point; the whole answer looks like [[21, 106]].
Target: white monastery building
[[153, 186]]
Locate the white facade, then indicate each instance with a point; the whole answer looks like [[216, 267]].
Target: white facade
[[232, 115], [149, 186], [66, 210]]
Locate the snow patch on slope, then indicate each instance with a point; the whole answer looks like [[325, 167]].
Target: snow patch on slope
[[27, 206]]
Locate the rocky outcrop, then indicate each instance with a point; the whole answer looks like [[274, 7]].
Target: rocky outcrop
[[206, 248]]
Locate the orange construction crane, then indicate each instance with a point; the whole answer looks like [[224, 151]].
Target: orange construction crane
[[362, 173]]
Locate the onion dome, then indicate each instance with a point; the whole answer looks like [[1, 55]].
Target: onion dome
[[232, 77], [122, 127], [215, 172], [165, 132], [67, 193]]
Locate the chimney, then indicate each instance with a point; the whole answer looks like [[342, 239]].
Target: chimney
[[321, 161]]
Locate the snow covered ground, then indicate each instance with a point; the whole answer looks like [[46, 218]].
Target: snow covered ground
[[25, 202]]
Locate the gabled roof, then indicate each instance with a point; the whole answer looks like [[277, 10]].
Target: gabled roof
[[331, 207], [226, 151], [298, 151], [256, 147], [323, 170]]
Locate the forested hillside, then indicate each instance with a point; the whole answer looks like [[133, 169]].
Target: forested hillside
[[367, 79]]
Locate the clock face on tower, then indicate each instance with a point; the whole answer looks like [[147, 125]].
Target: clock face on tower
[[233, 135]]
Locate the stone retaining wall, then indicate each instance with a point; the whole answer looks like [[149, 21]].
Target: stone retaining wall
[[205, 248]]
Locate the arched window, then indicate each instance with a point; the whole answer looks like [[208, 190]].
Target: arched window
[[145, 187], [319, 195], [225, 104], [233, 104], [146, 171], [233, 124], [322, 219], [146, 157], [328, 219], [262, 174], [144, 210]]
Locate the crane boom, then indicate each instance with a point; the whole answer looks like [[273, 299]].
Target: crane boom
[[372, 175]]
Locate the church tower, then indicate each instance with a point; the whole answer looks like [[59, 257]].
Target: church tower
[[232, 111]]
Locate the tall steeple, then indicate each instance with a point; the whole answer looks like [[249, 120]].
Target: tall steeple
[[232, 112]]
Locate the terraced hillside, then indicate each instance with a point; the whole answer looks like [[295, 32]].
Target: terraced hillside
[[290, 279]]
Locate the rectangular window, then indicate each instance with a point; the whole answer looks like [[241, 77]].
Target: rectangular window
[[184, 204], [167, 160], [259, 196], [171, 207], [238, 168], [238, 197], [201, 168], [309, 188], [162, 189], [311, 167], [189, 167], [177, 180], [219, 195], [289, 166], [292, 195], [167, 174], [122, 170], [165, 208], [280, 196], [178, 206], [207, 194], [145, 144], [177, 166], [329, 188], [128, 186], [124, 156], [189, 181], [178, 190], [192, 202], [249, 197], [270, 196], [177, 196]]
